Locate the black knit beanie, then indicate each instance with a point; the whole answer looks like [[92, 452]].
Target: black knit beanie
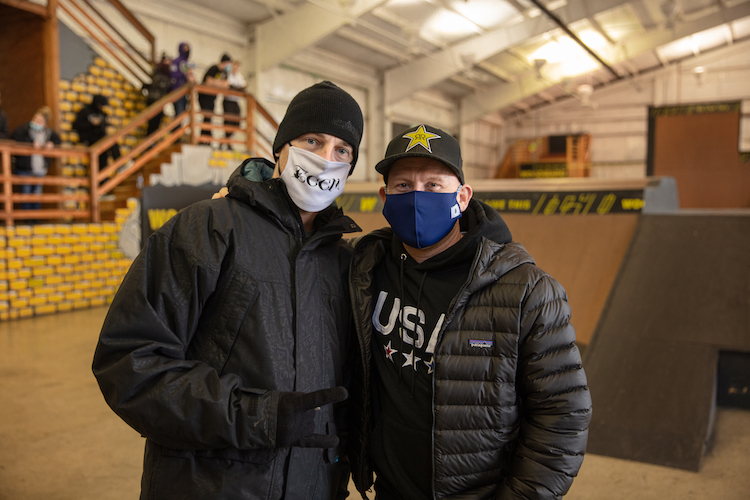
[[323, 108]]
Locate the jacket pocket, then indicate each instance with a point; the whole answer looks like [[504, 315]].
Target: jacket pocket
[[222, 318], [261, 456]]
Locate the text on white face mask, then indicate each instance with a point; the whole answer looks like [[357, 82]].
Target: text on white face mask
[[312, 181]]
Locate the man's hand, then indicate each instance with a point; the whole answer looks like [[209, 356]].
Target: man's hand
[[295, 422], [221, 194]]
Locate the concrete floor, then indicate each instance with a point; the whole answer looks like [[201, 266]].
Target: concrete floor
[[60, 441]]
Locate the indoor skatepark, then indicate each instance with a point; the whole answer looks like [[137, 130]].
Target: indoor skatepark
[[642, 213], [655, 362], [659, 297]]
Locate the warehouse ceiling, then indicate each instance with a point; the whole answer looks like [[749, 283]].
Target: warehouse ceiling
[[495, 57]]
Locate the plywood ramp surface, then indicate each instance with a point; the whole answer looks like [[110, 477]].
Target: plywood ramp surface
[[583, 253]]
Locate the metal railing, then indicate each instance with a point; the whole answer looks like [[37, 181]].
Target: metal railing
[[102, 180]]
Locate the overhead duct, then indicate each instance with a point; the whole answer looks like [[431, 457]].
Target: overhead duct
[[575, 38]]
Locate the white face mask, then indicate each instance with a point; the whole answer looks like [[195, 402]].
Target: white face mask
[[313, 182]]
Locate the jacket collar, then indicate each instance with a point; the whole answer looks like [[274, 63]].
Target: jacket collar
[[252, 185], [497, 253]]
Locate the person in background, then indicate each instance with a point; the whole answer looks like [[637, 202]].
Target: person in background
[[469, 384], [4, 131], [160, 85], [181, 73], [37, 132], [91, 126], [228, 341], [231, 103], [216, 76]]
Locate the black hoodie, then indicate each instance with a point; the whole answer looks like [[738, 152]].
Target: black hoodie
[[403, 350], [91, 122]]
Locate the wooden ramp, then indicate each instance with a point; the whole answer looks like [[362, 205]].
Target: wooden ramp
[[582, 253], [681, 297]]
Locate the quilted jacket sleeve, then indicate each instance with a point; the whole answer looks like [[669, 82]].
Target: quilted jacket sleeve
[[140, 361], [555, 400]]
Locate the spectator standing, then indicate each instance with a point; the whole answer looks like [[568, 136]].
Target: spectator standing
[[231, 103], [37, 132], [91, 126], [215, 76], [181, 73], [160, 85]]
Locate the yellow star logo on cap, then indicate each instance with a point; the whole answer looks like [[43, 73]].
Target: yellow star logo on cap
[[420, 136]]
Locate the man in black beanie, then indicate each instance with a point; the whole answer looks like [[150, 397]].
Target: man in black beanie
[[226, 343]]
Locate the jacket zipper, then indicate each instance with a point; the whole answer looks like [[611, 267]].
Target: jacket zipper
[[366, 384], [448, 319]]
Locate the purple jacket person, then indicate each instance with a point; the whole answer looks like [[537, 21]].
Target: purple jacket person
[[178, 72]]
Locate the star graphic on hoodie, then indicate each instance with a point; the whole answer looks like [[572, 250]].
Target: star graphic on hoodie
[[389, 351], [411, 360], [430, 364], [421, 137]]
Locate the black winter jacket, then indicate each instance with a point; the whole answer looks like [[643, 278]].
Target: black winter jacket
[[509, 422], [227, 305]]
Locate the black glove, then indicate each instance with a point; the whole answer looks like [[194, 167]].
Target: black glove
[[295, 422]]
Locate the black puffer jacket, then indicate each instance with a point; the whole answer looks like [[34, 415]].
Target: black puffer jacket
[[227, 305], [509, 422]]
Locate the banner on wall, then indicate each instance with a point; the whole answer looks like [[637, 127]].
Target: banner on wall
[[161, 203], [533, 203]]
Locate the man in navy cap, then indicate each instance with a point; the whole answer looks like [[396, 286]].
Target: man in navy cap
[[470, 384]]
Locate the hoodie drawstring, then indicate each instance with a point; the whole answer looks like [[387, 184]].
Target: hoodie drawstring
[[401, 319], [401, 312], [413, 362]]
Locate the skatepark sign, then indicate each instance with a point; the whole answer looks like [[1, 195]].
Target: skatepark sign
[[534, 203]]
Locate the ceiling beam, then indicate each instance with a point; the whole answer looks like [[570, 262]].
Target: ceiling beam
[[643, 15], [287, 34], [357, 36], [480, 103], [426, 71], [493, 69]]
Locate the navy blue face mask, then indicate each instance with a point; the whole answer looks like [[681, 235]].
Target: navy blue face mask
[[421, 218]]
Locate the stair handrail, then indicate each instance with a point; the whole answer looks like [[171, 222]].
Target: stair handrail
[[9, 148], [137, 25], [154, 109], [102, 181], [140, 70], [251, 130]]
